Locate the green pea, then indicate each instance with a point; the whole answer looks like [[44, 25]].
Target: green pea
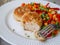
[[32, 3], [53, 35], [47, 18], [42, 16], [57, 23], [46, 15], [46, 9], [41, 7], [43, 27]]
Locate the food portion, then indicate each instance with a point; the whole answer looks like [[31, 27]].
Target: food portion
[[19, 12], [36, 16], [31, 21]]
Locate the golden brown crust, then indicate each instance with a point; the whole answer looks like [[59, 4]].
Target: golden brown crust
[[19, 12], [24, 15], [32, 16]]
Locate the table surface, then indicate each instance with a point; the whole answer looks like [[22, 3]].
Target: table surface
[[2, 42]]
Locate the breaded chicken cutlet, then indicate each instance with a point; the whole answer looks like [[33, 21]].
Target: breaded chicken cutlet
[[31, 20]]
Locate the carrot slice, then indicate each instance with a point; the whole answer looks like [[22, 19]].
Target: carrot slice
[[23, 4], [55, 32], [50, 15], [30, 6], [58, 17]]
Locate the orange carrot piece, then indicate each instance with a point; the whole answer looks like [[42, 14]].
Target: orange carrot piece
[[53, 22], [30, 6], [55, 32], [50, 15], [58, 17], [23, 4], [36, 6]]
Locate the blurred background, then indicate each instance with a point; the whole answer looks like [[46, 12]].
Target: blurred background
[[5, 1], [2, 42]]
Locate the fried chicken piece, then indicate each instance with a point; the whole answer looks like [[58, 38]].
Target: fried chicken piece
[[19, 12], [31, 21]]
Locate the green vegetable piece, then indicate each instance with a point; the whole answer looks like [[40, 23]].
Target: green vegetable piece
[[32, 3], [57, 25], [53, 35], [47, 18], [43, 27], [43, 15], [46, 15], [41, 7], [46, 9]]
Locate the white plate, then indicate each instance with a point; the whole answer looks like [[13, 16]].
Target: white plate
[[17, 27], [13, 38]]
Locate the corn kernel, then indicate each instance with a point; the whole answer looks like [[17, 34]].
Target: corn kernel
[[50, 10], [54, 16], [33, 8], [46, 24], [56, 19]]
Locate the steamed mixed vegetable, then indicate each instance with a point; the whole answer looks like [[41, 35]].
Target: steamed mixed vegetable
[[48, 14]]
